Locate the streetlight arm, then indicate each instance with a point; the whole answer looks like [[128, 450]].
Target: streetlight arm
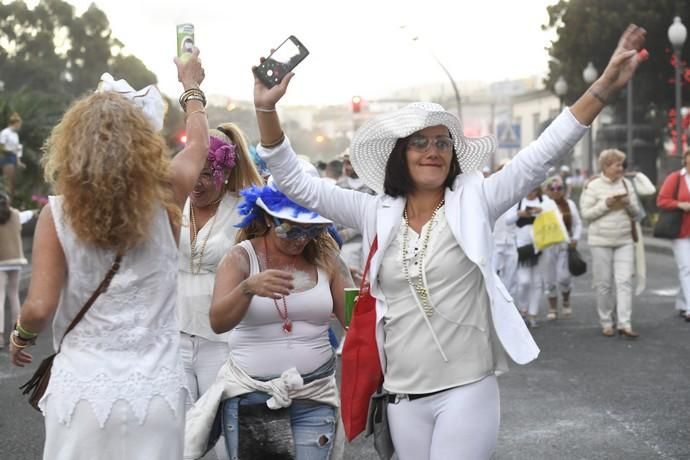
[[452, 82]]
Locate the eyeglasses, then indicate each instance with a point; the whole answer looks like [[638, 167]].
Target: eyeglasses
[[288, 231], [422, 143]]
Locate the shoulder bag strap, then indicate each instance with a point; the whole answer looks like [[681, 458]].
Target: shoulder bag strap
[[675, 195], [99, 290], [372, 250]]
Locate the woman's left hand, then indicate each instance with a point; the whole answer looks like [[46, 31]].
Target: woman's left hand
[[19, 357], [624, 60], [265, 98]]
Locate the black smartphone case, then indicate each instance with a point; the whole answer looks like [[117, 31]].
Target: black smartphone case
[[272, 72]]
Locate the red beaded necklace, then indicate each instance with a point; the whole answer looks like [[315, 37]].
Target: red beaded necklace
[[287, 322]]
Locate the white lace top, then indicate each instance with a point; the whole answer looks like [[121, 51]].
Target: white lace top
[[127, 345]]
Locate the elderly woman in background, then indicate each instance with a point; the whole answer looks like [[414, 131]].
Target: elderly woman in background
[[208, 232], [609, 206], [675, 195], [116, 388], [557, 276]]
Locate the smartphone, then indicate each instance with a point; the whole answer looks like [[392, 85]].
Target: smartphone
[[185, 40], [285, 58]]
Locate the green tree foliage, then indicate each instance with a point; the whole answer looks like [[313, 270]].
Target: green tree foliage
[[588, 30], [49, 56]]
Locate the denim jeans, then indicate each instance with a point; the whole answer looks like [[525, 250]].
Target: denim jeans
[[313, 425]]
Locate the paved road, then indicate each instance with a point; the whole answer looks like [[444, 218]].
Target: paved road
[[586, 397]]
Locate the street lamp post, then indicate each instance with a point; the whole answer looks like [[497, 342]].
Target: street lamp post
[[560, 88], [589, 75], [458, 100], [676, 35]]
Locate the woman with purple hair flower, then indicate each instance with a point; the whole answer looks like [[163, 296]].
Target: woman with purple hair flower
[[208, 231]]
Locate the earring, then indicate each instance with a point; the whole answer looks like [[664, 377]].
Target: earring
[[226, 182]]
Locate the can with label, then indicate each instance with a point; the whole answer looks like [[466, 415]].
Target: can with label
[[185, 40]]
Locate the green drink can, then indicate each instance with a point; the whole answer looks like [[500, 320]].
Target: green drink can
[[350, 301], [185, 40]]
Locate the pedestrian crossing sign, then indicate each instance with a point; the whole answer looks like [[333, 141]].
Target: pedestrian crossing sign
[[508, 135]]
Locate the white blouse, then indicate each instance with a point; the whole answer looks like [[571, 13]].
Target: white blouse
[[461, 320], [126, 347], [195, 283]]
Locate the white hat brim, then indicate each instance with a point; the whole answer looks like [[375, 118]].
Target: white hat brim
[[374, 141], [288, 213]]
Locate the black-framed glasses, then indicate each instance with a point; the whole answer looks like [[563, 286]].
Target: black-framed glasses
[[423, 143]]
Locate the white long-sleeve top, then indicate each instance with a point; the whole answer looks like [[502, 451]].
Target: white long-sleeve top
[[472, 206]]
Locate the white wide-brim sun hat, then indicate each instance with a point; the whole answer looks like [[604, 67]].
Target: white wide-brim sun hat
[[374, 141], [293, 213]]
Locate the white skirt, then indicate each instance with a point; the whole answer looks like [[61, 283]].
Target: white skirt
[[160, 437]]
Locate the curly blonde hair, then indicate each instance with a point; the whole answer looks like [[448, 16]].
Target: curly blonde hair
[[244, 174], [112, 169], [322, 251]]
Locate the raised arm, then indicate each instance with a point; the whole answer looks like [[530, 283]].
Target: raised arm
[[529, 167], [345, 207], [187, 165]]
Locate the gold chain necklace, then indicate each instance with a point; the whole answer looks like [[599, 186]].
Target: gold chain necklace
[[193, 233], [419, 287]]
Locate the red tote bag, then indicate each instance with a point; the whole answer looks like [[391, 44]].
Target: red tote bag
[[361, 367]]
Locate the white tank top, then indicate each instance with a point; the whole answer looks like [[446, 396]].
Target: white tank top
[[127, 345], [259, 345]]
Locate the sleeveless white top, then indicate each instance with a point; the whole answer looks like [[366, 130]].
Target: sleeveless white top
[[259, 345], [127, 345], [194, 290]]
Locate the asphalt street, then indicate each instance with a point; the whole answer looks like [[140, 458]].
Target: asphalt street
[[585, 397]]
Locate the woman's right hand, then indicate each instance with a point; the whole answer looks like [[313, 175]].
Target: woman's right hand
[[271, 283], [190, 72], [684, 205]]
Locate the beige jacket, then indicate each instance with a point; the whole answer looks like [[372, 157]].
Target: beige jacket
[[608, 227]]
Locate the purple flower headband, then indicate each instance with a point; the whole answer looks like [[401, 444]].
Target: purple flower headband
[[222, 157]]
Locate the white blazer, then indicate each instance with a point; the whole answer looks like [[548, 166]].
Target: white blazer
[[471, 208]]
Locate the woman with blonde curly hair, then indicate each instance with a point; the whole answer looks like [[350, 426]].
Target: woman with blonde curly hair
[[276, 290], [116, 388], [208, 232]]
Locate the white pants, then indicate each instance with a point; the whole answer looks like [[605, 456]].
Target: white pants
[[618, 264], [557, 277], [681, 252], [505, 261], [202, 359], [160, 437], [530, 287], [9, 287], [460, 423]]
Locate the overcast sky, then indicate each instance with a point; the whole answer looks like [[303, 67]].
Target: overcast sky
[[357, 46]]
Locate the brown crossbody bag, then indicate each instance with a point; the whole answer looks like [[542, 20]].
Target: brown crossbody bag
[[38, 383]]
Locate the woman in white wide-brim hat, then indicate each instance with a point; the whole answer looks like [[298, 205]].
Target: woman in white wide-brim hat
[[444, 319]]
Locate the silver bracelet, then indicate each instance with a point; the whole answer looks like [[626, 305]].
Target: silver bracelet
[[261, 109]]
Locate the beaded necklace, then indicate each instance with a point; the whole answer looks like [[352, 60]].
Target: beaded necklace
[[193, 233], [287, 322], [419, 287]]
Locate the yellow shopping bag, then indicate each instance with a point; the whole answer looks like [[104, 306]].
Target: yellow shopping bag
[[548, 229]]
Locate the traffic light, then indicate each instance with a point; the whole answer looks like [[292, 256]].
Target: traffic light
[[356, 104]]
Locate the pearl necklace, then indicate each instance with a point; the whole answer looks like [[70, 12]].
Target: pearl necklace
[[193, 233], [419, 287]]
